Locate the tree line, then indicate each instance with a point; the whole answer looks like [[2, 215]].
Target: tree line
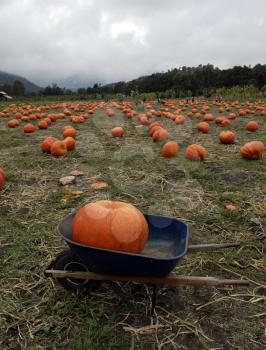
[[178, 82], [192, 81]]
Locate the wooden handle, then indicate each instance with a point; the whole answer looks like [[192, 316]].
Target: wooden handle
[[211, 246], [171, 279]]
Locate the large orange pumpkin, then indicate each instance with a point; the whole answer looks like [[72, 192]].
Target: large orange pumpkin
[[195, 152], [110, 225], [170, 149], [227, 137], [252, 150]]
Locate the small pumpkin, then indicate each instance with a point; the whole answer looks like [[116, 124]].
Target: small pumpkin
[[29, 128], [102, 224], [2, 178], [197, 115], [70, 132], [118, 132], [252, 150], [144, 120], [180, 120], [203, 127], [58, 148], [252, 126], [195, 152], [47, 143], [42, 124], [70, 143], [227, 137], [160, 135], [225, 122], [208, 117], [231, 116], [13, 123], [170, 149]]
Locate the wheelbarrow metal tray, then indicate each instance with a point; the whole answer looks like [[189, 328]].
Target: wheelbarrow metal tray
[[167, 243]]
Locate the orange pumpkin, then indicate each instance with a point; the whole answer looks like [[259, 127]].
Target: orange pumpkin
[[180, 120], [29, 128], [43, 124], [170, 149], [225, 122], [70, 143], [160, 135], [118, 132], [252, 150], [144, 120], [3, 172], [110, 225], [252, 126], [155, 128], [13, 123], [208, 117], [70, 132], [203, 127], [66, 127], [58, 148], [2, 178], [47, 143], [232, 116], [195, 152], [227, 137], [48, 121], [219, 120], [242, 113]]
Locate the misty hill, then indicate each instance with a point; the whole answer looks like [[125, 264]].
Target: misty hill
[[6, 78]]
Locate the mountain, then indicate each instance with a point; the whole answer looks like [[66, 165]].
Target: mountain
[[6, 78]]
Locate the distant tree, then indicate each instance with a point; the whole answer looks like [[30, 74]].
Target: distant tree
[[82, 91], [53, 90], [18, 88], [7, 88]]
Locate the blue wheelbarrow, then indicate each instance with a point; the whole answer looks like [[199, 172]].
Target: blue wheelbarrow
[[84, 267]]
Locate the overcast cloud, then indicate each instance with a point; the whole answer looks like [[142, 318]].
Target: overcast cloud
[[74, 42]]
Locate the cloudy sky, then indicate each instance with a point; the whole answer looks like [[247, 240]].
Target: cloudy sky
[[78, 42]]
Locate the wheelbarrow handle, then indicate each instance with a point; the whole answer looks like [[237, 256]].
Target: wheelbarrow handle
[[211, 246], [171, 279]]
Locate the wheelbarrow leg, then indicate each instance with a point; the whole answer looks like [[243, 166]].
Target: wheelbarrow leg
[[154, 298]]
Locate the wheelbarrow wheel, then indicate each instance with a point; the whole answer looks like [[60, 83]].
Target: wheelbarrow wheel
[[68, 261]]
